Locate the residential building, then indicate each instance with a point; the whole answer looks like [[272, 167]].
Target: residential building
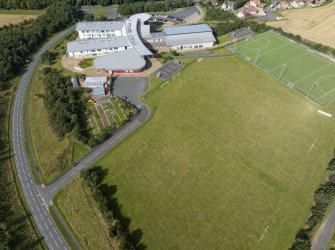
[[228, 6], [297, 3], [255, 3]]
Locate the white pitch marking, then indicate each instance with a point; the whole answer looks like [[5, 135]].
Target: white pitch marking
[[312, 146], [324, 113]]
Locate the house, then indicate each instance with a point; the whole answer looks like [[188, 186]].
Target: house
[[97, 84], [297, 3], [314, 3], [255, 3], [251, 10], [74, 82], [242, 13], [214, 2], [228, 6], [283, 5]]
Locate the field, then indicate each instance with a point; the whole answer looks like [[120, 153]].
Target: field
[[315, 24], [229, 160], [14, 19], [17, 16], [76, 204], [294, 65]]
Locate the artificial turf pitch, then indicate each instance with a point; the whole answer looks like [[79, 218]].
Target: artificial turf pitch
[[294, 65], [229, 160]]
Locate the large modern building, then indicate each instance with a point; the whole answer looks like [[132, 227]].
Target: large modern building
[[122, 46]]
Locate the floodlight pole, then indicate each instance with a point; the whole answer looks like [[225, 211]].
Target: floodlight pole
[[282, 71], [309, 92], [257, 56]]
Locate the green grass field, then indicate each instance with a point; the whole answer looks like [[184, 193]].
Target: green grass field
[[229, 160], [296, 66], [23, 12]]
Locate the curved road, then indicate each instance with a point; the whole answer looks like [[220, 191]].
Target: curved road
[[38, 198], [324, 233], [32, 193]]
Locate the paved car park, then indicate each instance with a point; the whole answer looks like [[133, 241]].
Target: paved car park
[[168, 70]]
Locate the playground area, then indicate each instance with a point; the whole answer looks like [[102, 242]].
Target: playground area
[[296, 66], [168, 70]]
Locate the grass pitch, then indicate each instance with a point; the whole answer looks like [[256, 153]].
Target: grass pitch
[[294, 65], [229, 160]]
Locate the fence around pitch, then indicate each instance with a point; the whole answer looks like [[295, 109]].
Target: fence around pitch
[[281, 79]]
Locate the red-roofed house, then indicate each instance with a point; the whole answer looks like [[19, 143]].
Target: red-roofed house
[[255, 3]]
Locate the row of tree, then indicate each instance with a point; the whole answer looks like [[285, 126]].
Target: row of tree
[[323, 196], [65, 104], [224, 22], [153, 6], [25, 4], [19, 41], [108, 206]]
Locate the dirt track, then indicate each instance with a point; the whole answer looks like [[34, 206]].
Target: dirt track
[[14, 19], [315, 24]]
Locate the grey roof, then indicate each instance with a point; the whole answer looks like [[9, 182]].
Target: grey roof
[[94, 44], [155, 35], [184, 39], [123, 60], [188, 29], [107, 25], [95, 81], [131, 28]]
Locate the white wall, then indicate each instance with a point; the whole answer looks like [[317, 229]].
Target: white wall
[[99, 34], [92, 53], [192, 46]]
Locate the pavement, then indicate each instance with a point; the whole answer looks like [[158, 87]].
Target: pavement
[[38, 197], [323, 234]]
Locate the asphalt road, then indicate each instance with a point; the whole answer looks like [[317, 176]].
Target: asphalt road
[[33, 194], [323, 234]]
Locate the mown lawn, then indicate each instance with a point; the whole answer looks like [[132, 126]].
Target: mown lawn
[[229, 160], [84, 217]]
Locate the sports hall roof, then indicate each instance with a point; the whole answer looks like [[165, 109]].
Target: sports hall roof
[[185, 39], [188, 29]]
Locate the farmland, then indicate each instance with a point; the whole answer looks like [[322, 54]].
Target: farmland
[[228, 160], [315, 24], [17, 16]]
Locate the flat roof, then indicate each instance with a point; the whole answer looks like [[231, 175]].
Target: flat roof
[[187, 29], [95, 81], [105, 25], [131, 29], [141, 16], [123, 60], [184, 39], [94, 44]]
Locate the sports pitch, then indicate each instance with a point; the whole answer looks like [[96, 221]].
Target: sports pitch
[[294, 65]]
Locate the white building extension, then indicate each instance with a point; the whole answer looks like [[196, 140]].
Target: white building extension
[[90, 30]]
